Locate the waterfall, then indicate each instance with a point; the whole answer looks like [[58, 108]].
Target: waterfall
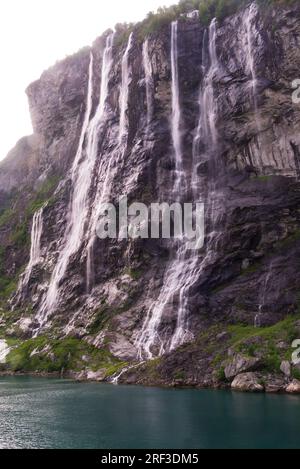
[[199, 134], [35, 249], [207, 134], [148, 80], [104, 190], [4, 350], [184, 270], [257, 319], [86, 120], [173, 276], [206, 131], [176, 111], [249, 48], [80, 175], [81, 178], [115, 378], [149, 334], [124, 92]]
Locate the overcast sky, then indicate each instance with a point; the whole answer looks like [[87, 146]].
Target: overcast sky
[[36, 33]]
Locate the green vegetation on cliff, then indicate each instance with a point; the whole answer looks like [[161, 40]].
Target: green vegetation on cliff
[[15, 221], [208, 9], [218, 346], [42, 354]]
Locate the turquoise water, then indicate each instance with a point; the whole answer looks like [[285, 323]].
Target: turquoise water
[[50, 413]]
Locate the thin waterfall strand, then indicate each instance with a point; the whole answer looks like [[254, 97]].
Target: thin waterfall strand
[[125, 91], [249, 48], [35, 248], [149, 81], [176, 111]]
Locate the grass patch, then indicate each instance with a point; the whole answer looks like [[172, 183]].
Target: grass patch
[[283, 330], [289, 241], [151, 369], [51, 355], [134, 273], [101, 317], [251, 269], [179, 374], [263, 342], [43, 195], [7, 216], [296, 373]]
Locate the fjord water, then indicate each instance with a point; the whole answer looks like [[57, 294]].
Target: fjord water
[[50, 413]]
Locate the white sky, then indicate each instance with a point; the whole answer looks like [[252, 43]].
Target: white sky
[[34, 34]]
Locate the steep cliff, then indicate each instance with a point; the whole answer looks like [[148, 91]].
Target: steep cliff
[[188, 113]]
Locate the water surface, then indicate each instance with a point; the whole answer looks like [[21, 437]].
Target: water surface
[[50, 413]]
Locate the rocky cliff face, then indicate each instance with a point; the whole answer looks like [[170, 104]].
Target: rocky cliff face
[[105, 125]]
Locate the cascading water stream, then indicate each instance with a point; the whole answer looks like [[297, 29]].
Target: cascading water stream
[[149, 334], [176, 113], [249, 48], [81, 178], [35, 249], [115, 378], [149, 81], [206, 131], [183, 271], [257, 318], [124, 92], [189, 261], [103, 191], [80, 174]]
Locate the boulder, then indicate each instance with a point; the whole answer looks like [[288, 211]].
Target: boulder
[[240, 364], [294, 387], [247, 382], [275, 385], [285, 367], [120, 347], [96, 375]]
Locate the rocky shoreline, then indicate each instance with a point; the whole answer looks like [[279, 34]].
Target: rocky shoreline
[[244, 382]]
